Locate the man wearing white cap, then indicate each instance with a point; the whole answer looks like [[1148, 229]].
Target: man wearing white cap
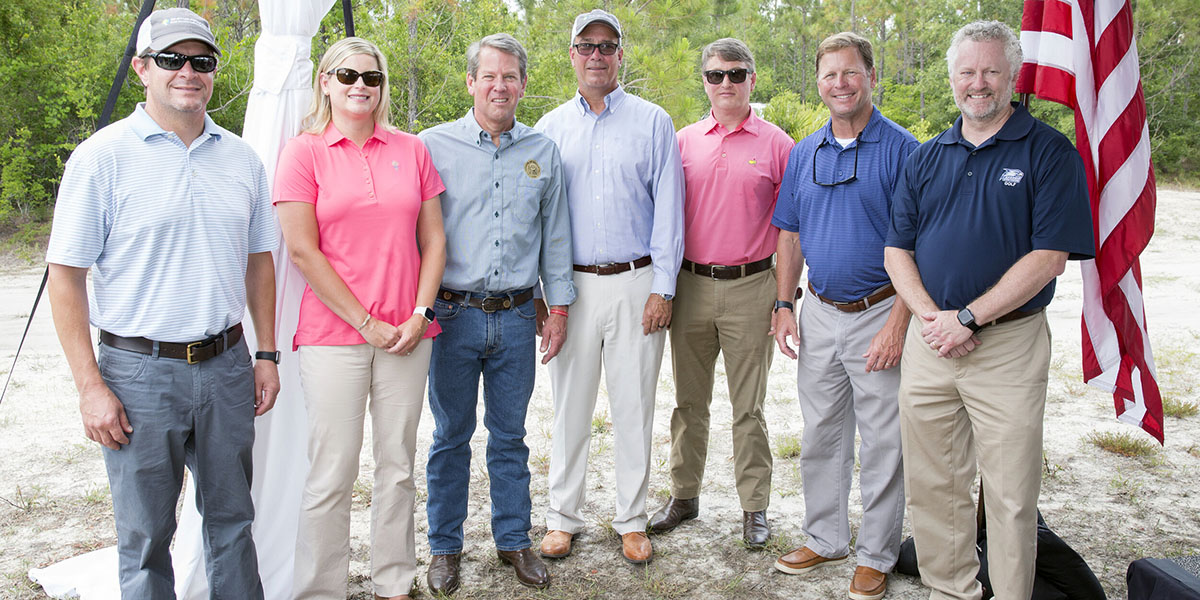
[[173, 212], [625, 191]]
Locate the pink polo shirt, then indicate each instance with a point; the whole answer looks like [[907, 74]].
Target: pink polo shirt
[[367, 201], [732, 180]]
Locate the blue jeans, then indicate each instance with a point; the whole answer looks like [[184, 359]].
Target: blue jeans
[[501, 347], [200, 416]]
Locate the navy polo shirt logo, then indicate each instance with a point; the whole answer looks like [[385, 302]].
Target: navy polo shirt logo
[[1011, 177]]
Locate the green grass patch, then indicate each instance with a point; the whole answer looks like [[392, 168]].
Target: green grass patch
[[1180, 409], [1123, 443], [787, 446]]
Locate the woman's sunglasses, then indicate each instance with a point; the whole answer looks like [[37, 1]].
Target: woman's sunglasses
[[173, 61], [349, 76], [716, 76]]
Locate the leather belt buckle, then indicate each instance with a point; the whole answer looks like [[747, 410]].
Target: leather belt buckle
[[191, 349], [492, 304]]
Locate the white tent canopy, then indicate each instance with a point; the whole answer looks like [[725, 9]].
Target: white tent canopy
[[280, 96]]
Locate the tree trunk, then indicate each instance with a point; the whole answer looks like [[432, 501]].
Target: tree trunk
[[413, 60]]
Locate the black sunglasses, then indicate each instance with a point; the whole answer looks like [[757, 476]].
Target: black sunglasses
[[852, 178], [606, 48], [716, 76], [349, 76], [173, 61]]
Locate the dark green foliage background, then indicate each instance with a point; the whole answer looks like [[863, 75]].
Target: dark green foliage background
[[58, 58]]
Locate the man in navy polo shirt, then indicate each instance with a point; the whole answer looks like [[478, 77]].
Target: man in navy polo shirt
[[833, 212], [985, 217]]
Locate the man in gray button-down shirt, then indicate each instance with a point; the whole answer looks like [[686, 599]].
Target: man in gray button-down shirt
[[506, 218]]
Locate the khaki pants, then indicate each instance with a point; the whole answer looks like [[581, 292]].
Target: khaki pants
[[605, 329], [985, 407], [337, 382], [730, 317]]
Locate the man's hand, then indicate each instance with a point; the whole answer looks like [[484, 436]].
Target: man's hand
[[657, 315], [553, 329], [104, 419], [783, 326], [266, 386], [539, 307], [886, 347], [946, 335]]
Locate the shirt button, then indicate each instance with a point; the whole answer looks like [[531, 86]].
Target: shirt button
[[722, 155], [496, 155], [496, 243], [497, 184], [969, 173], [496, 272], [497, 215]]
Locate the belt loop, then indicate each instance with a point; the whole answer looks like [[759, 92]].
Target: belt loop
[[154, 351], [866, 302]]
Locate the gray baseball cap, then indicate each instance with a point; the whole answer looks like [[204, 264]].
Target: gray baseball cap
[[595, 16], [165, 28]]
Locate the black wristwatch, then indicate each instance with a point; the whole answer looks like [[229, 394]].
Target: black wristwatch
[[271, 356], [967, 319], [784, 304]]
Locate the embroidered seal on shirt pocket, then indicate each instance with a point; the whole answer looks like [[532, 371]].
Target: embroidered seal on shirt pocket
[[1011, 177]]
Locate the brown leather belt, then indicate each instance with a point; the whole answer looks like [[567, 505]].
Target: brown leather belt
[[489, 304], [192, 352], [859, 305], [728, 271], [1014, 315], [613, 268]]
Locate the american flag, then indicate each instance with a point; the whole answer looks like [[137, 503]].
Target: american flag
[[1081, 53]]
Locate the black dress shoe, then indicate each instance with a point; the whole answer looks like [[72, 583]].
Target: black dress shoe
[[673, 513], [443, 574], [755, 529], [531, 571]]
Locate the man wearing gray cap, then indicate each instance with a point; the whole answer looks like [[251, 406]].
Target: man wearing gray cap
[[625, 192], [173, 212]]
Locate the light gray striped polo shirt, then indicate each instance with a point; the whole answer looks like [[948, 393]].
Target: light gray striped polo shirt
[[166, 227]]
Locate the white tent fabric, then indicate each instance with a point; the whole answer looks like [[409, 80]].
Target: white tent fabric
[[281, 94]]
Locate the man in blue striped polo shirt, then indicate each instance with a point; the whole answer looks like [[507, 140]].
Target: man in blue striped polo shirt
[[173, 213], [833, 212]]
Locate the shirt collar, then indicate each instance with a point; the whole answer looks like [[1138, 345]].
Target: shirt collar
[[332, 136], [145, 126], [870, 133], [750, 125], [612, 101], [472, 131], [1016, 127]]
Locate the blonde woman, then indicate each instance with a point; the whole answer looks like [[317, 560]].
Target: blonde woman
[[359, 207]]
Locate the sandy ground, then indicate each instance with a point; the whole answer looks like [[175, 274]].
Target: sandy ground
[[54, 500]]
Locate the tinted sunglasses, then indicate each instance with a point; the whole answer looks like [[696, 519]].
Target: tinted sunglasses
[[349, 76], [606, 48], [716, 76], [173, 61]]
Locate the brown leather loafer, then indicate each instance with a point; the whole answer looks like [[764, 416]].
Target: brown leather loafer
[[442, 576], [674, 512], [755, 529], [868, 584], [531, 571], [556, 544], [803, 560], [636, 548]]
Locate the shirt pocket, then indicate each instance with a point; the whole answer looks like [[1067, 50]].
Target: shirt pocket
[[529, 200]]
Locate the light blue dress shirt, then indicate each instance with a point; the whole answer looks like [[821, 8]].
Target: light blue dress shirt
[[624, 182], [505, 210]]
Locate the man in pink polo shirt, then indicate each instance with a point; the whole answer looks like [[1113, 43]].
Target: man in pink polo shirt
[[733, 162]]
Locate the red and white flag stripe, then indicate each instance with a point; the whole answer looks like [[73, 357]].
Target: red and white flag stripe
[[1081, 53]]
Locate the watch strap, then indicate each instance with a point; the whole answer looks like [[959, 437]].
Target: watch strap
[[784, 304], [271, 356]]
